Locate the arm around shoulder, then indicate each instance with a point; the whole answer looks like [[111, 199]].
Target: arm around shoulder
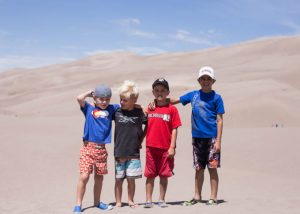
[[174, 101]]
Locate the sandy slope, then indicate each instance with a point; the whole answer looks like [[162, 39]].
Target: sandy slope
[[41, 127]]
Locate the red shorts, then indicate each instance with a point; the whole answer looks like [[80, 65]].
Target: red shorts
[[93, 155], [158, 163]]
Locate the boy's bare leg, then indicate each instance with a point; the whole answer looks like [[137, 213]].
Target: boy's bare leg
[[97, 188], [199, 179], [163, 184], [131, 191], [81, 186], [214, 183], [118, 191], [149, 189]]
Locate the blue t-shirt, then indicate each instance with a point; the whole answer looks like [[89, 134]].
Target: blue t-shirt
[[205, 108], [98, 122]]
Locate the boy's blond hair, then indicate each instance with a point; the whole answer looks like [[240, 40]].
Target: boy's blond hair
[[129, 89]]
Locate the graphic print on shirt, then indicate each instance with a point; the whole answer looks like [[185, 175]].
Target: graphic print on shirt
[[100, 113], [200, 106], [125, 119], [165, 117]]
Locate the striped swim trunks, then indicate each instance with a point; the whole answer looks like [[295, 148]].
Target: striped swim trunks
[[128, 168]]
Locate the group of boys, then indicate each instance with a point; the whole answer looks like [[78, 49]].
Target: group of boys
[[159, 125]]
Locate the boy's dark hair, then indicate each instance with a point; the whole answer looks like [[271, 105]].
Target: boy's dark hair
[[161, 81]]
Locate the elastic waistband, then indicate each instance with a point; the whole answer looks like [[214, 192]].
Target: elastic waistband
[[94, 145]]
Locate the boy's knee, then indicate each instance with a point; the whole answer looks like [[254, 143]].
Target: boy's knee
[[84, 177], [199, 169], [213, 170]]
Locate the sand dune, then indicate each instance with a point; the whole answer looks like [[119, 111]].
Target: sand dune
[[41, 128]]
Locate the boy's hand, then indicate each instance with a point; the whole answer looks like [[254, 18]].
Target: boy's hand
[[151, 105], [217, 146], [171, 152], [90, 93]]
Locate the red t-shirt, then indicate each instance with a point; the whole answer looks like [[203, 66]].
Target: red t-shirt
[[161, 122]]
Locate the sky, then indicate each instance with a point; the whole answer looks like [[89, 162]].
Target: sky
[[36, 33]]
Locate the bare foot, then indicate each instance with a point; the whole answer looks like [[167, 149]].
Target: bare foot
[[119, 204], [133, 205]]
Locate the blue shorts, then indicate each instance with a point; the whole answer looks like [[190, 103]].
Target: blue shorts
[[128, 168]]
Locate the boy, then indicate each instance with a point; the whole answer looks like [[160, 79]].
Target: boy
[[129, 135], [163, 122], [207, 126], [97, 133]]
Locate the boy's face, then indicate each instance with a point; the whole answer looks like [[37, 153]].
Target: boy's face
[[206, 82], [160, 92], [127, 103], [102, 102]]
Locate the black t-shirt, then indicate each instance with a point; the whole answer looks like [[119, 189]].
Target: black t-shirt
[[128, 132]]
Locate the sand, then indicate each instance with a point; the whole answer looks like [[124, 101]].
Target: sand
[[41, 128]]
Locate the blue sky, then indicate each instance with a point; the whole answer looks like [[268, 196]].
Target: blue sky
[[40, 32]]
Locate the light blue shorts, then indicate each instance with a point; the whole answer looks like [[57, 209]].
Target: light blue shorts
[[129, 168]]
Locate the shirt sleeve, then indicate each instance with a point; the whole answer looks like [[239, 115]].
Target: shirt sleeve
[[220, 105], [176, 122], [116, 107], [185, 99], [85, 108]]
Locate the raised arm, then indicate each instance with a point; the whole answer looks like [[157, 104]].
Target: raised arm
[[81, 98]]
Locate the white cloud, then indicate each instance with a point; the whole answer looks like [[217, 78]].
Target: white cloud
[[146, 51], [142, 34], [130, 25], [94, 52], [187, 37], [136, 50], [14, 61], [292, 25], [128, 22], [3, 33]]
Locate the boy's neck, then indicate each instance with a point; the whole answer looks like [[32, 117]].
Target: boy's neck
[[128, 109], [161, 103], [206, 90]]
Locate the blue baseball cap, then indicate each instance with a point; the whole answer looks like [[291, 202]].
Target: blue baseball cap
[[102, 91]]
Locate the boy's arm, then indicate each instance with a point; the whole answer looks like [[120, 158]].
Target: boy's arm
[[81, 98], [219, 133], [172, 148], [139, 106], [144, 135], [172, 101]]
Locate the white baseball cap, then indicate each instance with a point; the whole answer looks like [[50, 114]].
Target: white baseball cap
[[206, 70]]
